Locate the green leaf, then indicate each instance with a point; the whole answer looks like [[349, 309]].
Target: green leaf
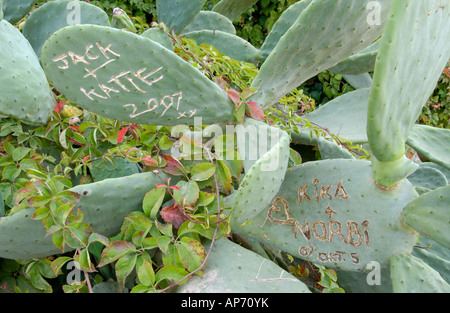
[[124, 266], [163, 243], [78, 137], [191, 252], [19, 153], [141, 289], [202, 171], [77, 234], [224, 178], [146, 274], [172, 274], [165, 143], [152, 201], [94, 237], [116, 250], [188, 191], [58, 263], [63, 139], [85, 261]]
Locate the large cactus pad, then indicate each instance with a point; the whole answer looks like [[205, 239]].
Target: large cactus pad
[[127, 77], [331, 212]]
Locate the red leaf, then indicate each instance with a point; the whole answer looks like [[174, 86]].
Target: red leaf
[[59, 106], [75, 128], [149, 161], [255, 111], [174, 215], [173, 167], [121, 134], [234, 96], [86, 158], [174, 187], [160, 185]]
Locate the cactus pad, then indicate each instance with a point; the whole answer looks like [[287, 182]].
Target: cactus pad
[[52, 16], [429, 215], [233, 269], [177, 14], [402, 85], [15, 10], [104, 204], [233, 8], [331, 212], [231, 45], [265, 169], [24, 91], [127, 77], [412, 275], [311, 46], [207, 20]]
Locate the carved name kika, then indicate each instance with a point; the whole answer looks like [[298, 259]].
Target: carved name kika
[[130, 80], [326, 230]]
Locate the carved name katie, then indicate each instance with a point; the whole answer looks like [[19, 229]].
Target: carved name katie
[[133, 80], [349, 233]]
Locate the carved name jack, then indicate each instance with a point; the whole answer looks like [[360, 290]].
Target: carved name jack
[[137, 80]]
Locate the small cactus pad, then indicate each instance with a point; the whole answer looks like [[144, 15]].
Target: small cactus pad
[[119, 167], [207, 20], [24, 91], [177, 14], [158, 35], [311, 45], [432, 143], [282, 25], [427, 177], [15, 10], [104, 205], [265, 153], [233, 9], [430, 215], [231, 45], [402, 84], [359, 63], [234, 269], [52, 16], [410, 274], [127, 77], [330, 212], [344, 116]]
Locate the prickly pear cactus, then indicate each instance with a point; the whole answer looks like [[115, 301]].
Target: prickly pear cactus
[[233, 8], [104, 204], [232, 268], [103, 70], [401, 85], [306, 49], [331, 212], [15, 10], [25, 93], [177, 14], [52, 16]]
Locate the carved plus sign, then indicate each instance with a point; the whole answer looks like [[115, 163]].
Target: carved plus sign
[[329, 211]]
